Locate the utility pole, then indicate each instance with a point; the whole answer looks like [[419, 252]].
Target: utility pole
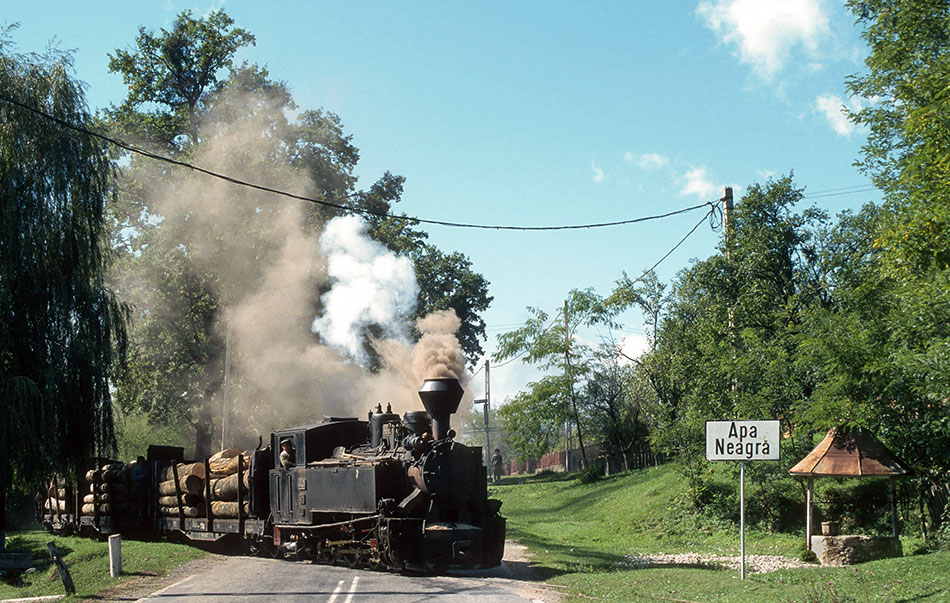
[[567, 421], [226, 418], [726, 214], [487, 404], [572, 405]]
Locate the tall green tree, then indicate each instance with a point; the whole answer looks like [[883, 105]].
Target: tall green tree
[[907, 153], [61, 329], [534, 418], [551, 343], [906, 337], [728, 345]]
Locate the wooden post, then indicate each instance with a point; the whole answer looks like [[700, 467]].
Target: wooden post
[[61, 567], [181, 510], [208, 512], [240, 494], [115, 555], [808, 515]]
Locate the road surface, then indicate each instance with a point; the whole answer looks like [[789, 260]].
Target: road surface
[[245, 579]]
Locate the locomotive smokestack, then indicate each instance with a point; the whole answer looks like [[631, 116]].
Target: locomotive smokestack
[[441, 398]]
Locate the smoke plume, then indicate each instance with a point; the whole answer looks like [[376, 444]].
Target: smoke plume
[[297, 355]]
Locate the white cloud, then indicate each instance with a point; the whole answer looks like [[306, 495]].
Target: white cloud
[[832, 107], [633, 346], [766, 31], [647, 161], [598, 173], [697, 182]]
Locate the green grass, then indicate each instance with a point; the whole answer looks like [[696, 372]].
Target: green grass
[[581, 535], [88, 563]]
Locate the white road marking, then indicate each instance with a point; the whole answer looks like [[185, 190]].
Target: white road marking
[[336, 591], [349, 596]]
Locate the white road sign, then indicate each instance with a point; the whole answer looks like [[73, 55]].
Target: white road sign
[[742, 440]]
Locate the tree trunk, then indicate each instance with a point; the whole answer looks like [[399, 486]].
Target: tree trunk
[[3, 515], [580, 433], [203, 428]]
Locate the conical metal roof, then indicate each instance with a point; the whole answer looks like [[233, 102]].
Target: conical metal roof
[[849, 453]]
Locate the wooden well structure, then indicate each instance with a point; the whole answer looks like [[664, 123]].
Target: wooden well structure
[[848, 453]]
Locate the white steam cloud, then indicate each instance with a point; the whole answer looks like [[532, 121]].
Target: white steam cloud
[[370, 286]]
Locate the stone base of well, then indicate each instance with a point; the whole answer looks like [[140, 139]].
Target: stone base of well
[[848, 550]]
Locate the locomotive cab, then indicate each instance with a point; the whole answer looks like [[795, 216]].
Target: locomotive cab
[[291, 490]]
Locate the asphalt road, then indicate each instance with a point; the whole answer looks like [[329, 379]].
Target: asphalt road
[[243, 579]]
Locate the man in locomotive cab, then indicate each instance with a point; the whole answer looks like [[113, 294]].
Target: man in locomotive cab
[[287, 455]]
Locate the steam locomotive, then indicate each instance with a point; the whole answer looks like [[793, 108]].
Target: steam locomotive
[[390, 492]]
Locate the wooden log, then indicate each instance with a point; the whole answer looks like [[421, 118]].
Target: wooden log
[[188, 511], [227, 509], [226, 488], [189, 500], [112, 487], [105, 497], [106, 509], [224, 463], [52, 492], [55, 504], [115, 475], [190, 484], [184, 469]]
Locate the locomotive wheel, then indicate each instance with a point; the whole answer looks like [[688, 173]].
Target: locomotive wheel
[[353, 560]]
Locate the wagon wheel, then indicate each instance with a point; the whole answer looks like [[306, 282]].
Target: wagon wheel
[[275, 551]]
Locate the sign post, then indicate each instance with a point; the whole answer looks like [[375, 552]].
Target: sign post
[[742, 441]]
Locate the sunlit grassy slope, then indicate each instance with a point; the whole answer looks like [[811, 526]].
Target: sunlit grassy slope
[[582, 534]]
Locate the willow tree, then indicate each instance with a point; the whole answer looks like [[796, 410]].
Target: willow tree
[[61, 330]]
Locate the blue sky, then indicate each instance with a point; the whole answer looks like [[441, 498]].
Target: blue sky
[[543, 113]]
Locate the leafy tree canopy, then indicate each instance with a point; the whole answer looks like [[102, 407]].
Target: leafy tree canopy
[[61, 329]]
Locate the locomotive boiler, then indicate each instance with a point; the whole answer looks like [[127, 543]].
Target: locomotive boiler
[[388, 492]]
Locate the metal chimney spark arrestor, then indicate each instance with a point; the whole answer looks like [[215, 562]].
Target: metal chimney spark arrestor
[[441, 398]]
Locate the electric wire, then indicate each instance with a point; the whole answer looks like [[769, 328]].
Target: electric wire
[[133, 149], [714, 216], [839, 192]]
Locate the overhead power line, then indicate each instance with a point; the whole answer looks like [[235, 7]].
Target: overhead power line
[[714, 216], [237, 181], [835, 192]]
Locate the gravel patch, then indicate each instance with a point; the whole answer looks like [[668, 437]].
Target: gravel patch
[[757, 564]]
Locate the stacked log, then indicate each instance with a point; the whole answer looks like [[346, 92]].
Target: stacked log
[[191, 483], [108, 491], [56, 501], [224, 483]]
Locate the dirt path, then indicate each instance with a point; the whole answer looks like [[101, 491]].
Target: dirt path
[[756, 564]]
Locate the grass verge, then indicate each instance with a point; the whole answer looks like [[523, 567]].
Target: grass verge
[[88, 563], [581, 536]]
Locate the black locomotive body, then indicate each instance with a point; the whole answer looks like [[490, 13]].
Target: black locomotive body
[[389, 492]]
